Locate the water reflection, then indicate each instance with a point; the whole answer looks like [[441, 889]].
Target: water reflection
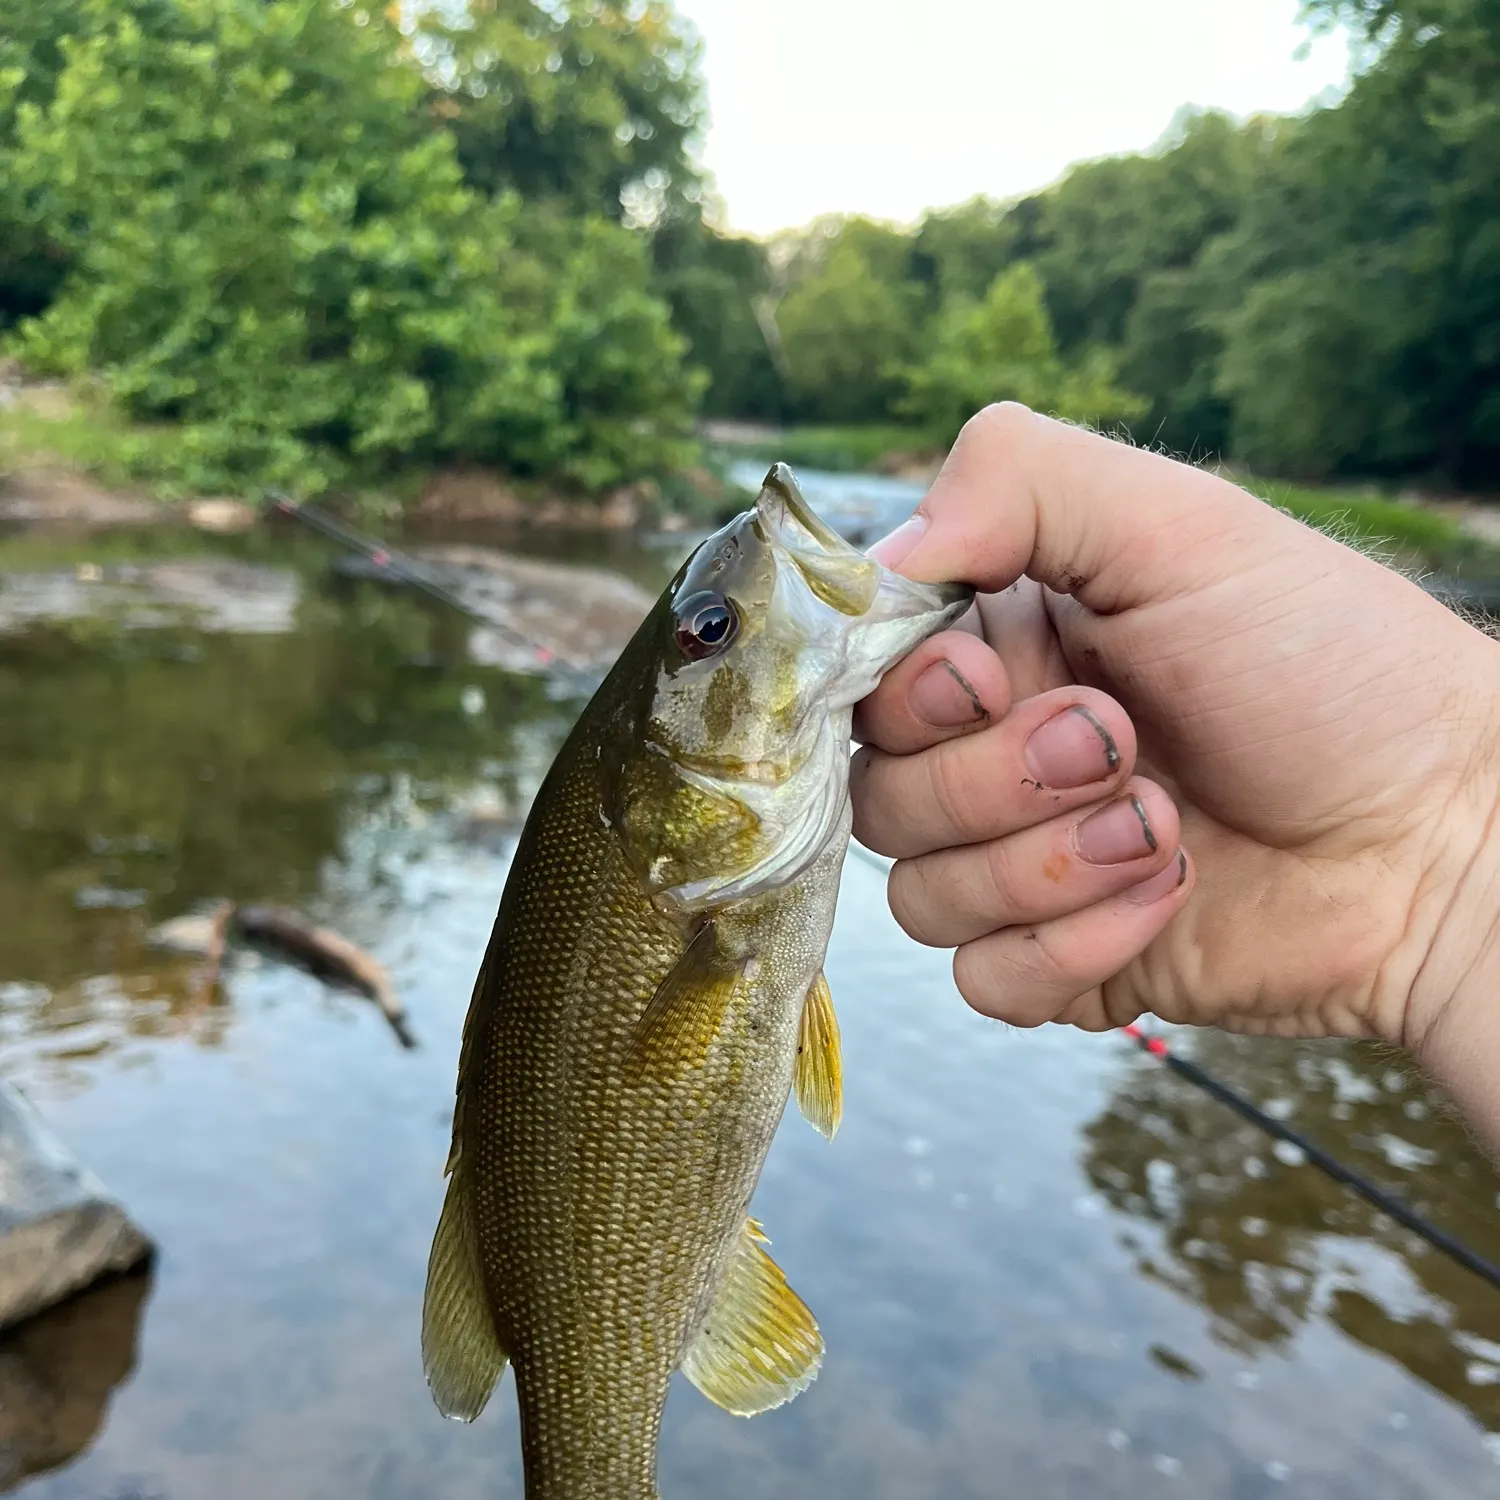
[[142, 777], [1265, 1242], [1260, 1334], [59, 1371]]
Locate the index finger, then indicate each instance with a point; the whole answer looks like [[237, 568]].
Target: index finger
[[952, 684]]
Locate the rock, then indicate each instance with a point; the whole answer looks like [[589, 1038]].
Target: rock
[[483, 495], [59, 1232], [471, 495], [193, 933], [208, 593], [68, 499], [582, 615], [58, 1372], [221, 515]]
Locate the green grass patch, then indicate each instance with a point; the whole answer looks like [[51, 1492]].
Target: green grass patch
[[1367, 514], [88, 434], [841, 450]]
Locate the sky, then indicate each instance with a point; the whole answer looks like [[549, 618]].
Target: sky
[[886, 109]]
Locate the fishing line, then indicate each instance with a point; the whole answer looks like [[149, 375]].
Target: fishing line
[[1371, 1192], [397, 567], [402, 570]]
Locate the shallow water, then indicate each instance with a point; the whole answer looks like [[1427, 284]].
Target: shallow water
[[1044, 1266]]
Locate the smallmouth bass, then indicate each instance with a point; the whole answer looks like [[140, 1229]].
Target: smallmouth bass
[[651, 994]]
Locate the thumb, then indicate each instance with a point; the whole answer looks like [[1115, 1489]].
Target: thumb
[[1115, 526]]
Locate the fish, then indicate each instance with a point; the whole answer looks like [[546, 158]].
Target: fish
[[651, 995]]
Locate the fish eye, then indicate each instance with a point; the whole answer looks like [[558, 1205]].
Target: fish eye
[[706, 623]]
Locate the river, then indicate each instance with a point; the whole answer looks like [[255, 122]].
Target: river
[[1044, 1266]]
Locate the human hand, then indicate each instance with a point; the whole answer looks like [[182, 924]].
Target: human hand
[[1319, 736]]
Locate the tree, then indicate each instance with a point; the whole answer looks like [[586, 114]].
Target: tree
[[272, 246], [849, 322], [718, 287], [592, 103], [1003, 348]]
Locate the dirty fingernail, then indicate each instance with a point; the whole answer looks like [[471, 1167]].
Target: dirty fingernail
[[1071, 749], [891, 549], [943, 698], [1159, 885], [1115, 834]]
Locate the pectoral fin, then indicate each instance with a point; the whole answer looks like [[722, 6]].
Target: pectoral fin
[[461, 1354], [759, 1345], [819, 1073], [679, 1025]]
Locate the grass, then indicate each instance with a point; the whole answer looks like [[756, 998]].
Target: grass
[[842, 450], [1368, 515], [89, 435]]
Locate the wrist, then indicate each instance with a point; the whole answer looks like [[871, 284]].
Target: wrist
[[1452, 1022]]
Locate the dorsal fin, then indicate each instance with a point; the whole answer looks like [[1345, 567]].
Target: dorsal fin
[[759, 1345]]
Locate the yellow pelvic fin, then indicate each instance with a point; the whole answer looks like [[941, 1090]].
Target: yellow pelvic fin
[[679, 1025], [759, 1345], [819, 1074], [461, 1354]]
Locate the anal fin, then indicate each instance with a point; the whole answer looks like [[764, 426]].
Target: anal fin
[[461, 1353], [759, 1345], [819, 1073]]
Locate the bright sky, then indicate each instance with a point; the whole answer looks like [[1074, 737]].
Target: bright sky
[[886, 109]]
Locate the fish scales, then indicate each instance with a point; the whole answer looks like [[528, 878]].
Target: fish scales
[[634, 1032]]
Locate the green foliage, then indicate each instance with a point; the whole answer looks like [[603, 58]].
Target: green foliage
[[849, 322], [840, 450], [1003, 348], [271, 246], [1367, 515], [718, 287], [592, 103]]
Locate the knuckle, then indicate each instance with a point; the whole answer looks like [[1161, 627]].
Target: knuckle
[[952, 794], [1001, 422]]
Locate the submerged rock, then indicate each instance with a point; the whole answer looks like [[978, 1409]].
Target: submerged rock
[[582, 615], [59, 1231], [58, 1372], [214, 594]]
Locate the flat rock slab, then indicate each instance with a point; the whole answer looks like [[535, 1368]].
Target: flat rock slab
[[59, 1229], [62, 498], [582, 616], [214, 594]]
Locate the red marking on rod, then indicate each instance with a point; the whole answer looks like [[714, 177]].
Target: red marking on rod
[[543, 654], [1153, 1044], [381, 558]]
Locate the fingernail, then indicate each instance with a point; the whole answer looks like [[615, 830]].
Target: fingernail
[[891, 549], [943, 698], [1159, 885], [1071, 749], [1115, 834]]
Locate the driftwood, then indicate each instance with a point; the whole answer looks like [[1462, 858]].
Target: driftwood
[[324, 954], [59, 1230], [284, 934]]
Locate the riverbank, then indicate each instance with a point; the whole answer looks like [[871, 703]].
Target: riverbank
[[68, 458]]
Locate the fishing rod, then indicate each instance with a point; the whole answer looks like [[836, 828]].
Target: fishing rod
[[1372, 1193], [401, 569], [397, 567]]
